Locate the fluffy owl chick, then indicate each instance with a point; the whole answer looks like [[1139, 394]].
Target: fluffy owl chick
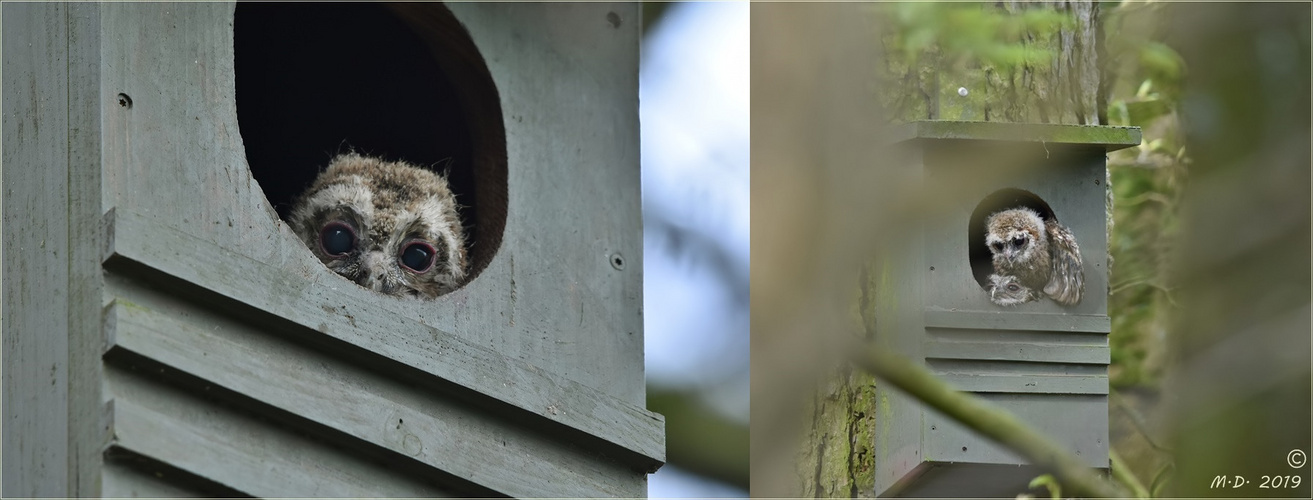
[[388, 226], [1006, 291], [1040, 254]]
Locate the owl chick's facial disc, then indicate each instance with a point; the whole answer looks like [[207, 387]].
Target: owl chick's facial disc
[[1010, 233], [388, 226]]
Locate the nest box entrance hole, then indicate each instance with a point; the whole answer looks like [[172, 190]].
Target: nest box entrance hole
[[401, 82], [981, 261]]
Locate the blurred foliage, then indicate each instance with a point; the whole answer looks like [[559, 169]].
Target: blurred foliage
[[1239, 374], [701, 440], [990, 62], [1146, 80]]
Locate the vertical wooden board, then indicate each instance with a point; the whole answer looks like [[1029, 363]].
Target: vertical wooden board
[[87, 433], [35, 324], [568, 79], [174, 152], [899, 323]]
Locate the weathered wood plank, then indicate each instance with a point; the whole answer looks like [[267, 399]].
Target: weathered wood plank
[[1023, 384], [566, 76], [1011, 351], [35, 240], [121, 481], [368, 406], [1016, 336], [1112, 138], [288, 293], [87, 433], [1008, 320], [241, 452]]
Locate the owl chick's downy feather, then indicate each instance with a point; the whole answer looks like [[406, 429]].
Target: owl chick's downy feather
[[1040, 254], [388, 226]]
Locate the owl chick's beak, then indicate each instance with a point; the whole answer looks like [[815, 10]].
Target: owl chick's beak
[[379, 274]]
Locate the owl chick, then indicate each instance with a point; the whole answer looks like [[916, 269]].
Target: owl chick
[[388, 226], [1041, 255], [1006, 291]]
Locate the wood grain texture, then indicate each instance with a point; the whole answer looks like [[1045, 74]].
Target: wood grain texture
[[365, 405], [565, 75], [439, 354], [36, 229], [88, 432], [121, 481], [1027, 384], [1009, 351], [1017, 321], [242, 453]]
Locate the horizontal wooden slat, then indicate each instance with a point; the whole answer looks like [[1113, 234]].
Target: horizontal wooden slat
[[1008, 320], [1010, 351], [256, 460], [290, 294], [1112, 138], [120, 481], [367, 406], [1028, 383]]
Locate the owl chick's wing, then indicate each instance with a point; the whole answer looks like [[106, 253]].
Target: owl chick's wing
[[1067, 279]]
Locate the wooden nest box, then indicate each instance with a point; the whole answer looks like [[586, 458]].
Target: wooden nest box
[[1042, 361], [166, 334]]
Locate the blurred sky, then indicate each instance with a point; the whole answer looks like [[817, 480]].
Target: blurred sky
[[693, 88]]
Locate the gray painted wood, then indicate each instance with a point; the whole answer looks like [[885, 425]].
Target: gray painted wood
[[121, 481], [442, 355], [36, 325], [1045, 363], [1077, 422], [88, 432], [535, 368], [998, 351], [1073, 188], [242, 453], [1078, 339], [1008, 320], [1028, 384], [568, 83], [365, 405]]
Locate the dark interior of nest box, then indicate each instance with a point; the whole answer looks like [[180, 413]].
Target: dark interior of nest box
[[981, 262], [401, 82]]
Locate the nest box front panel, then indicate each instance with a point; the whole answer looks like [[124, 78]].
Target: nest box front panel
[[535, 365], [1064, 184]]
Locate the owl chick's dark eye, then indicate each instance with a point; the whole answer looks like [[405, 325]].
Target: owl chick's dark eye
[[417, 256], [337, 239], [997, 247], [1018, 242], [1014, 287]]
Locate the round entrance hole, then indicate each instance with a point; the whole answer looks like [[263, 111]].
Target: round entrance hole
[[399, 82], [978, 252]]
